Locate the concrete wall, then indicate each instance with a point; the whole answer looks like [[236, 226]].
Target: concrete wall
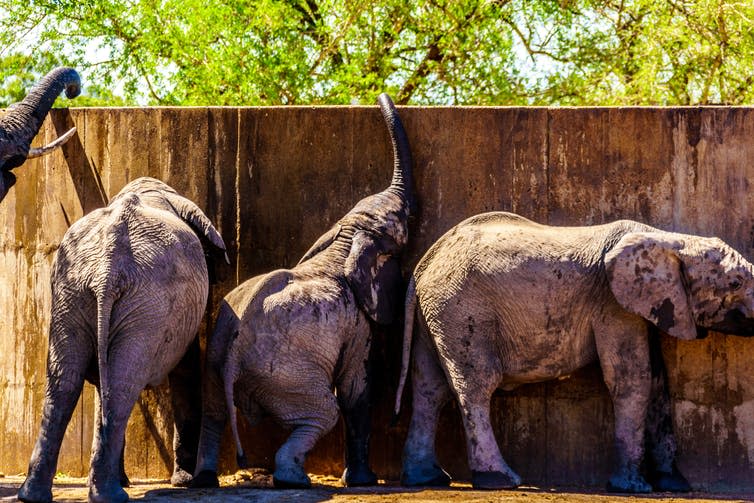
[[273, 179]]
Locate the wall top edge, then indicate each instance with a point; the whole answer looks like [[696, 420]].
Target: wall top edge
[[419, 107]]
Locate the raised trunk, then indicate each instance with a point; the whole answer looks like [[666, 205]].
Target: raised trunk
[[22, 123], [403, 179]]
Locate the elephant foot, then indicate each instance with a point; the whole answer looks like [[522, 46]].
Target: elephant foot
[[27, 492], [673, 482], [180, 478], [292, 477], [628, 481], [205, 478], [494, 480], [430, 475], [107, 494], [359, 476]]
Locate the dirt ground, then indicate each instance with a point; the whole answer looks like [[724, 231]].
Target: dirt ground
[[256, 486]]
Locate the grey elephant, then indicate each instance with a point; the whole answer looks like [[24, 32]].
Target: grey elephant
[[500, 301], [284, 340], [21, 123], [129, 288]]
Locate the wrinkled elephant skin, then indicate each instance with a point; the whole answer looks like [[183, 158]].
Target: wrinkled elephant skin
[[284, 340], [129, 288], [501, 301]]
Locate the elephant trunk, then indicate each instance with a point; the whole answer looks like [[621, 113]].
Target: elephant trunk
[[21, 124], [403, 178], [25, 119]]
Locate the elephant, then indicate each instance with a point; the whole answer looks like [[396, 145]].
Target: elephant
[[129, 289], [284, 340], [21, 123], [499, 301]]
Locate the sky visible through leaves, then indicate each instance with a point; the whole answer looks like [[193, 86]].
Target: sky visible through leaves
[[438, 52]]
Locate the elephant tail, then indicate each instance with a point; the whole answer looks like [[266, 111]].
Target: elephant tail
[[408, 330], [104, 307], [230, 381]]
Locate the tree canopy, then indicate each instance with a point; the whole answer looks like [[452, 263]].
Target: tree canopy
[[473, 52]]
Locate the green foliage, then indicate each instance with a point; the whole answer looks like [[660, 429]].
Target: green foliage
[[504, 52]]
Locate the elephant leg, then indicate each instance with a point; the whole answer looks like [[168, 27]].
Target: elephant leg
[[430, 393], [214, 409], [662, 472], [488, 468], [354, 399], [212, 426], [185, 394], [124, 480], [66, 367], [473, 390], [65, 380], [315, 414], [623, 352], [104, 470]]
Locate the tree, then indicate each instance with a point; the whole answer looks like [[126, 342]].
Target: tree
[[506, 52]]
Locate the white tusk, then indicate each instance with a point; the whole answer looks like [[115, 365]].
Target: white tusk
[[38, 152]]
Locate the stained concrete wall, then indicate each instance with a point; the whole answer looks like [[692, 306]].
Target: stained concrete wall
[[273, 179]]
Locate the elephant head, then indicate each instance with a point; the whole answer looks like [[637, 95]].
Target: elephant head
[[375, 231], [683, 284], [21, 123]]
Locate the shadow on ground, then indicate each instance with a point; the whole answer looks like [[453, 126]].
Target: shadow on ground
[[256, 486]]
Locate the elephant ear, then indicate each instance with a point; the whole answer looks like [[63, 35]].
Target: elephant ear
[[323, 242], [374, 274], [196, 219], [646, 277]]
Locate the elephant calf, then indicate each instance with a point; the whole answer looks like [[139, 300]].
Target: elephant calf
[[129, 288], [502, 301], [283, 341]]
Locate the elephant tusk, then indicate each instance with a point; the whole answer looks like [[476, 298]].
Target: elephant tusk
[[227, 260], [38, 152]]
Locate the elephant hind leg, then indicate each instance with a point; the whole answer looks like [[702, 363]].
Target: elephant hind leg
[[66, 367], [124, 480], [473, 375], [311, 414], [430, 393], [124, 385], [109, 441]]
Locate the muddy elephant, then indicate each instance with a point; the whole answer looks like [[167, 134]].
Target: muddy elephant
[[129, 289], [284, 340], [21, 123], [501, 301]]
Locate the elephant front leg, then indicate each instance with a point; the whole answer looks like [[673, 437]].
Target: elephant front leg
[[353, 396], [430, 393], [65, 379], [214, 417], [662, 472], [186, 397], [623, 352]]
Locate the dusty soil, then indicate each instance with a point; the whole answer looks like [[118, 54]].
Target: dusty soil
[[256, 486]]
